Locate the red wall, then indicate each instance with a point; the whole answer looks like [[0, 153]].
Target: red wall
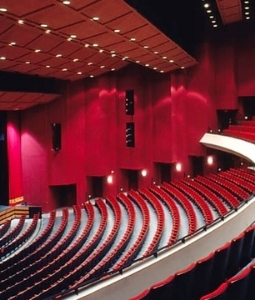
[[172, 112]]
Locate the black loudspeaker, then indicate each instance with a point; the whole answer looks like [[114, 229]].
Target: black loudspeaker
[[130, 105], [130, 134], [56, 136]]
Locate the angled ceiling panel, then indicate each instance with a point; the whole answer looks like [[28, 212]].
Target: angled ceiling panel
[[34, 34], [230, 10]]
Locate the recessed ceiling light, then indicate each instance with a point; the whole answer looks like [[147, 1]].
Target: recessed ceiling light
[[86, 45], [75, 59], [64, 70], [3, 9], [27, 62], [132, 39], [91, 76], [147, 65], [79, 73], [113, 54], [90, 63], [155, 52], [95, 45], [95, 18], [37, 50], [73, 36], [246, 7], [247, 18], [2, 57], [182, 67], [101, 51], [66, 2], [206, 5], [164, 57], [116, 30], [171, 61], [209, 11], [161, 71], [47, 31], [12, 44], [155, 68], [145, 47], [21, 22], [137, 61], [215, 25], [102, 67], [58, 55], [44, 25], [247, 13], [48, 66], [112, 69]]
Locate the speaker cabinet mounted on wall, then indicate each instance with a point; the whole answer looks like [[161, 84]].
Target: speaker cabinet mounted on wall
[[130, 104], [130, 134], [56, 136]]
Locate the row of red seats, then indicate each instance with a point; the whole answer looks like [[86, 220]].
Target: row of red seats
[[5, 227], [155, 203], [225, 195], [21, 279], [210, 196], [108, 258], [248, 136], [238, 191], [197, 199], [241, 182], [200, 278], [61, 273], [21, 238], [185, 203], [174, 211], [13, 233], [127, 259]]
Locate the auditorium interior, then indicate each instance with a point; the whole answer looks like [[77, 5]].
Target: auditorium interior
[[127, 150]]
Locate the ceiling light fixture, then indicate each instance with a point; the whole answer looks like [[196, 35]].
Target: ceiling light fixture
[[67, 2], [3, 9]]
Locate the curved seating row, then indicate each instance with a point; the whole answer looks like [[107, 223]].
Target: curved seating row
[[21, 238], [238, 191], [185, 203], [66, 260], [210, 196], [248, 186], [216, 272], [155, 203], [174, 211], [13, 233], [5, 227], [197, 199], [226, 196]]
